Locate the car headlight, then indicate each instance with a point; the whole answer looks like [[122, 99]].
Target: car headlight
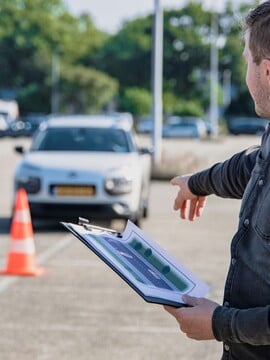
[[27, 167], [118, 185], [31, 184]]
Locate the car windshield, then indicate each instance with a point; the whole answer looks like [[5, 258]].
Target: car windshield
[[81, 139], [184, 124]]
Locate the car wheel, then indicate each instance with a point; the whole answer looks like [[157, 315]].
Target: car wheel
[[137, 221], [142, 213], [145, 211]]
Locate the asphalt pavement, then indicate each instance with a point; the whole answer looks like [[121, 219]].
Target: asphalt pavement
[[79, 309]]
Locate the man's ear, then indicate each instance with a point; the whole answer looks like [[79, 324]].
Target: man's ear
[[266, 67]]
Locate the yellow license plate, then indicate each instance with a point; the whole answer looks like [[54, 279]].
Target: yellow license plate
[[65, 190]]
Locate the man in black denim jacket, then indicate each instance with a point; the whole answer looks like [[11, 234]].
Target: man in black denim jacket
[[243, 321]]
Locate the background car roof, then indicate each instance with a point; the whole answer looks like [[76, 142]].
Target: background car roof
[[104, 121]]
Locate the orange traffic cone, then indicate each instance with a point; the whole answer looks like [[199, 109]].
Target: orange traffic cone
[[22, 257]]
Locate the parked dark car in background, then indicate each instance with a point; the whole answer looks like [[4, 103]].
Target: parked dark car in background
[[246, 125], [32, 122], [12, 128]]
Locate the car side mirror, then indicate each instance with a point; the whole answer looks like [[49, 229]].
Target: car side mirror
[[19, 149], [145, 150]]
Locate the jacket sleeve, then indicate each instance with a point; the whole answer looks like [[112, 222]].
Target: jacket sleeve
[[227, 179], [250, 326]]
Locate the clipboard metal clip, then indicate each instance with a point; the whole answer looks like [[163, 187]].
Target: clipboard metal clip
[[86, 224]]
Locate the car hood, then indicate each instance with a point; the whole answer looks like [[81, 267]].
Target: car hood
[[81, 160]]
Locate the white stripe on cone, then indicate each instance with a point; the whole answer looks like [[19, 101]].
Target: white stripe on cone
[[26, 246], [22, 216]]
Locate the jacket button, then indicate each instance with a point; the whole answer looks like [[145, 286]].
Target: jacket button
[[246, 222], [226, 347], [233, 261], [261, 182], [226, 303]]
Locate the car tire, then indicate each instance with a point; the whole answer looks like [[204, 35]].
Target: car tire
[[145, 211], [137, 221]]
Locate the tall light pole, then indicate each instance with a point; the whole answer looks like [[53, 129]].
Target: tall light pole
[[214, 113], [215, 7], [55, 82], [227, 75], [157, 70]]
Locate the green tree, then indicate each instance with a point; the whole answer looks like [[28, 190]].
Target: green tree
[[178, 106], [186, 63], [186, 50], [127, 55], [136, 100], [231, 58], [85, 90], [30, 32]]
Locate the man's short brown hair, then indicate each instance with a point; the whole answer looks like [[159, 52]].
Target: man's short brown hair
[[257, 23]]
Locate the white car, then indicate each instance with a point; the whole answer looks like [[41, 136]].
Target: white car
[[145, 125], [85, 166], [184, 127], [4, 125]]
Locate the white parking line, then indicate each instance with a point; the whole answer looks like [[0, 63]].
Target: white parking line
[[7, 282], [42, 258], [51, 251]]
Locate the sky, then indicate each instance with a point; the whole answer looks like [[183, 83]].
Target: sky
[[108, 15]]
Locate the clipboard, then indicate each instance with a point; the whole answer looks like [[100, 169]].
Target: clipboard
[[144, 265]]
